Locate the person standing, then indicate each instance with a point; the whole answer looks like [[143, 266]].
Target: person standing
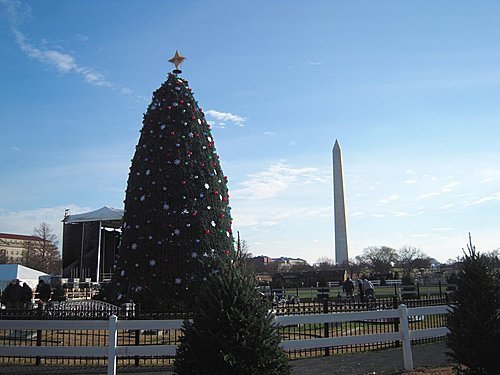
[[12, 295], [26, 295], [348, 288], [43, 290], [361, 292]]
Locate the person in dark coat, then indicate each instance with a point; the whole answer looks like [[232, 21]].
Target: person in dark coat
[[12, 295], [44, 291], [26, 295], [361, 292]]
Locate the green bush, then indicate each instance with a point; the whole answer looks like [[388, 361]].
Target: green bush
[[232, 330], [474, 321]]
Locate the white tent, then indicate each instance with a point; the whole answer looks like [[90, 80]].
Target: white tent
[[102, 214], [9, 272]]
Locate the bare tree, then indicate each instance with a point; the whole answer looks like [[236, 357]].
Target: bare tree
[[378, 259], [411, 258], [324, 264], [3, 252], [42, 254]]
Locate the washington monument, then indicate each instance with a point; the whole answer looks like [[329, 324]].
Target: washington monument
[[341, 254]]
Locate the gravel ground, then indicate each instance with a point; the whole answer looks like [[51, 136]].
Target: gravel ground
[[388, 361]]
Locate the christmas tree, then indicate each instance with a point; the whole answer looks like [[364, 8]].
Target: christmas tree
[[474, 320], [177, 221], [232, 330]]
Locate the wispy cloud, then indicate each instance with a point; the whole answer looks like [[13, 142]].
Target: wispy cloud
[[64, 63], [449, 187], [276, 179], [389, 199], [23, 222], [222, 118], [428, 195], [411, 176], [489, 198]]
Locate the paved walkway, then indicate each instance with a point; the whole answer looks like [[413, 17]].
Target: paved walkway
[[387, 361]]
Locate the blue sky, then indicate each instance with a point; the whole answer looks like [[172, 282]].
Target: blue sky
[[411, 89]]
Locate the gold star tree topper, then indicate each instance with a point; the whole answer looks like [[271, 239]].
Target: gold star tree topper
[[177, 59]]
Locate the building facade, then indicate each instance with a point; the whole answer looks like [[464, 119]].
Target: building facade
[[13, 247]]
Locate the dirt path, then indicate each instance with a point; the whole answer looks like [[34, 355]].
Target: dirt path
[[388, 361]]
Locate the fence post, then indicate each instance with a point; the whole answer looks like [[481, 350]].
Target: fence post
[[112, 345], [405, 336], [326, 326], [395, 304], [39, 313]]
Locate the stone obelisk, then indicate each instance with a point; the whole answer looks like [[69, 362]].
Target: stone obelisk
[[341, 254]]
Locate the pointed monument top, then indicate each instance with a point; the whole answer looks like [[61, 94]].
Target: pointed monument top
[[337, 145]]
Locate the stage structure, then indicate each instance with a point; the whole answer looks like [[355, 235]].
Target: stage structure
[[90, 243]]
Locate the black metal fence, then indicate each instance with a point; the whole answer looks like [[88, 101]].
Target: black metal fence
[[89, 311]]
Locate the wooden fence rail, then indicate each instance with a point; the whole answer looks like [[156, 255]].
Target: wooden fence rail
[[113, 325]]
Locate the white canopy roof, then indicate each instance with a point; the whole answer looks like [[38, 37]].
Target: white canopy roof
[[9, 272], [102, 214]]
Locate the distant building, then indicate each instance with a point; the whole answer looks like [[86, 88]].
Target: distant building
[[285, 263], [13, 247], [261, 260]]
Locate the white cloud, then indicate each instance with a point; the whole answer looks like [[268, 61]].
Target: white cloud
[[492, 197], [223, 117], [411, 176], [450, 186], [23, 222], [275, 180], [63, 62], [390, 198], [428, 195]]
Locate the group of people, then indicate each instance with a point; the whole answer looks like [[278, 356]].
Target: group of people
[[17, 296], [365, 288]]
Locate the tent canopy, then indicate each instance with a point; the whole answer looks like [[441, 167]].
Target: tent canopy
[[102, 214], [9, 272]]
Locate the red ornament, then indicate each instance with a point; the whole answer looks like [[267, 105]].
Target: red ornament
[[207, 231], [183, 182]]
